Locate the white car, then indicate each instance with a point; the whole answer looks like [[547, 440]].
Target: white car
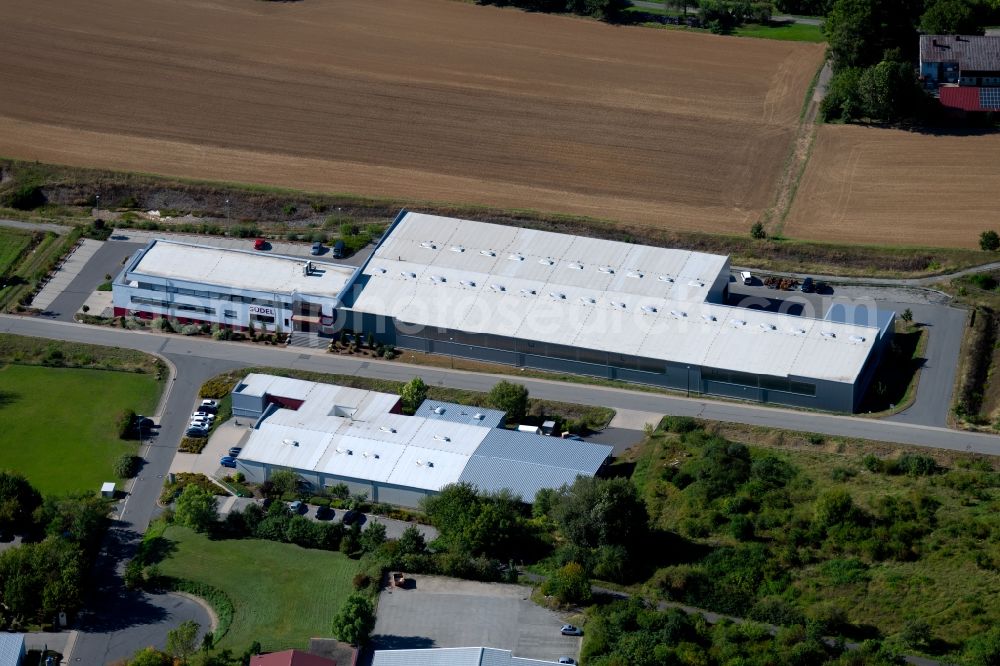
[[210, 404], [200, 423], [203, 415], [746, 277]]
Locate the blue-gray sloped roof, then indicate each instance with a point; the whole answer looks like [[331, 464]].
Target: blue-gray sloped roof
[[524, 463], [11, 648], [455, 413]]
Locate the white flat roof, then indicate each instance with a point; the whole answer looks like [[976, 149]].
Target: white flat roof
[[240, 269], [353, 433], [594, 294]]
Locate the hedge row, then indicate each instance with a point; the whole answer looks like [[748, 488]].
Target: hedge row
[[216, 598]]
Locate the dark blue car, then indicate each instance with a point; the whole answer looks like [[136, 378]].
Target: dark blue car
[[228, 461]]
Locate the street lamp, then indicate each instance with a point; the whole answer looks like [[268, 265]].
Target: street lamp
[[689, 381], [451, 348], [227, 211], [97, 197]]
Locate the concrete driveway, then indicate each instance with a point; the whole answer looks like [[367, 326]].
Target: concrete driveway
[[79, 277], [446, 612], [233, 432]]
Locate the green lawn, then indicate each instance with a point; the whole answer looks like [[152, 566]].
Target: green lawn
[[12, 243], [58, 423], [283, 594], [789, 32]]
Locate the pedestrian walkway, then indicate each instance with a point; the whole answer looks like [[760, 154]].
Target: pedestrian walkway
[[35, 226], [70, 268]]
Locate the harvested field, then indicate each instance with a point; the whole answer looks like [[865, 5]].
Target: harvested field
[[872, 185], [429, 100]]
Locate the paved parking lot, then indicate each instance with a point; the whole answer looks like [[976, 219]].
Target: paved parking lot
[[284, 248], [231, 433], [445, 612]]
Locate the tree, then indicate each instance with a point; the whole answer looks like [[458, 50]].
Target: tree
[[889, 91], [596, 512], [983, 649], [413, 393], [989, 241], [285, 482], [955, 17], [916, 634], [860, 32], [355, 621], [907, 315], [510, 398], [411, 542], [373, 537], [473, 524], [196, 509], [843, 99], [570, 585], [18, 499], [757, 231], [183, 641], [835, 507]]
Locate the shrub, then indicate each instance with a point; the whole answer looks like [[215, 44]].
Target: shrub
[[124, 424], [26, 197], [989, 241], [126, 466], [912, 464], [218, 387], [361, 580], [679, 424], [757, 231]]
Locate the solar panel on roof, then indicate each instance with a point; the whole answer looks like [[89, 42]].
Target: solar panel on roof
[[989, 98]]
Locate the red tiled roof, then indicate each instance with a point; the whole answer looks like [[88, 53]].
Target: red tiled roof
[[964, 98], [290, 658]]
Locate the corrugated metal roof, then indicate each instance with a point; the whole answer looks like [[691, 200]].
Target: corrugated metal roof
[[11, 648], [470, 656], [239, 269], [959, 97], [971, 52], [584, 457], [521, 478], [616, 298], [449, 411]]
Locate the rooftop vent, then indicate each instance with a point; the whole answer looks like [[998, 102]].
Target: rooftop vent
[[442, 438], [634, 274], [429, 245], [457, 248], [496, 286], [558, 295], [438, 279], [665, 278], [467, 283], [649, 309], [576, 266], [478, 416], [828, 334], [547, 261], [488, 253], [516, 257], [767, 327], [528, 292], [797, 331], [695, 283], [709, 317], [588, 300], [439, 410], [678, 313], [738, 322], [375, 456], [289, 442], [380, 270], [386, 429], [607, 269], [408, 274], [430, 463], [857, 338], [618, 304]]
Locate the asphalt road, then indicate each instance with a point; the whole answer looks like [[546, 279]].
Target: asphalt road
[[782, 18], [199, 357]]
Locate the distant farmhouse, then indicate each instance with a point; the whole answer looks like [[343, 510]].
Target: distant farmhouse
[[963, 69]]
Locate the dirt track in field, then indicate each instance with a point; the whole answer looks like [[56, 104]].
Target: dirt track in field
[[889, 187], [430, 100]]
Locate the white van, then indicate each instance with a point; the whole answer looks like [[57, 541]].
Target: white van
[[534, 430], [746, 277]]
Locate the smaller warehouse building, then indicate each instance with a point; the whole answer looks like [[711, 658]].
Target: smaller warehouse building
[[329, 434]]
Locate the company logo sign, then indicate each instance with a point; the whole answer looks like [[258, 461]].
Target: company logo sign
[[261, 310]]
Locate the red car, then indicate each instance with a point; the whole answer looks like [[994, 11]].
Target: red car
[[259, 244]]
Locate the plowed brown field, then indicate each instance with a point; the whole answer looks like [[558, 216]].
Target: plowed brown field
[[869, 185], [430, 100]]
